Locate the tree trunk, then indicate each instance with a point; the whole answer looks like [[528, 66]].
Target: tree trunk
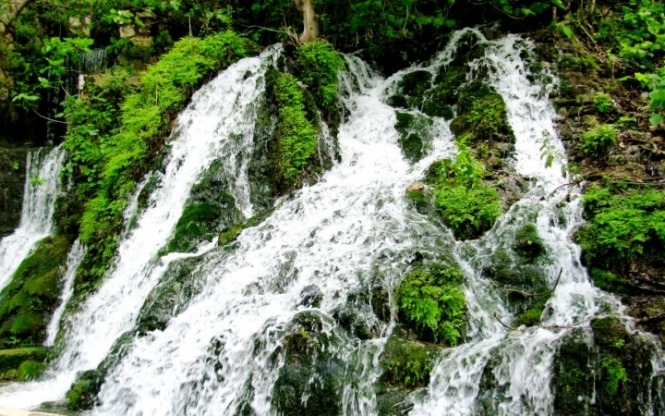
[[311, 25]]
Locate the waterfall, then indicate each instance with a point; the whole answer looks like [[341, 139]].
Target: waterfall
[[42, 186], [222, 352], [525, 358], [217, 124], [73, 261]]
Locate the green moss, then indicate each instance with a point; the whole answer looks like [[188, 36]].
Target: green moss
[[311, 377], [573, 375], [532, 315], [83, 393], [407, 364], [481, 115], [608, 281], [602, 102], [468, 212], [198, 222], [527, 243], [13, 358], [27, 302], [317, 65], [430, 300], [295, 133], [30, 370], [414, 134], [229, 234], [129, 148]]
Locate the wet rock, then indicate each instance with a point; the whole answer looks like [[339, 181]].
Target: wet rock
[[12, 180], [416, 187]]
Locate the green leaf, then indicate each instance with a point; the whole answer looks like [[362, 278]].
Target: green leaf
[[559, 4], [656, 119]]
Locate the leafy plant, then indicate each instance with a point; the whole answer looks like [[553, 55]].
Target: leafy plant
[[616, 375], [296, 135], [603, 102], [598, 139], [467, 206], [431, 300], [622, 224], [37, 181]]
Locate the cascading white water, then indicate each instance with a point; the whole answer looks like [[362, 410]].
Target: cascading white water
[[42, 186], [524, 357], [74, 259], [217, 124], [328, 235], [218, 354]]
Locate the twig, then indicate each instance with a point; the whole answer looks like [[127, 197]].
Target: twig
[[49, 119], [504, 325], [527, 294]]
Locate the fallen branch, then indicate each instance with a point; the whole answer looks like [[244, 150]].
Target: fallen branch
[[650, 319], [527, 294]]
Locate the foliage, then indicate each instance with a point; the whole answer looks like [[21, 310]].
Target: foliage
[[30, 370], [296, 135], [616, 375], [603, 102], [431, 301], [621, 224], [482, 115], [83, 393], [637, 35], [598, 139], [467, 206], [110, 160], [317, 65]]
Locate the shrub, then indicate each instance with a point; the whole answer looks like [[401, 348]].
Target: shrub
[[317, 66], [603, 102], [598, 139], [431, 301], [621, 225]]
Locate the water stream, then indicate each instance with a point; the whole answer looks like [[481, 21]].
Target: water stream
[[42, 186]]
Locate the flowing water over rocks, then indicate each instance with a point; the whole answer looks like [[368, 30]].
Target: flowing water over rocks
[[42, 186], [261, 334]]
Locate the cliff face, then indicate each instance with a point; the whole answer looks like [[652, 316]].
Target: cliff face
[[12, 180]]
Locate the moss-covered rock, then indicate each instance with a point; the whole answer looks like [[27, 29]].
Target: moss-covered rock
[[481, 116], [83, 393], [12, 178], [22, 363], [171, 295], [415, 138], [310, 380], [28, 301], [527, 243]]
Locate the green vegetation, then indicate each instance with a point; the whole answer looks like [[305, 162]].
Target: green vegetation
[[414, 134], [83, 393], [317, 65], [197, 221], [481, 115], [603, 102], [622, 224], [22, 363], [598, 139], [467, 206], [121, 155], [296, 134], [527, 242], [27, 302], [636, 33], [431, 301], [407, 363], [615, 375]]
